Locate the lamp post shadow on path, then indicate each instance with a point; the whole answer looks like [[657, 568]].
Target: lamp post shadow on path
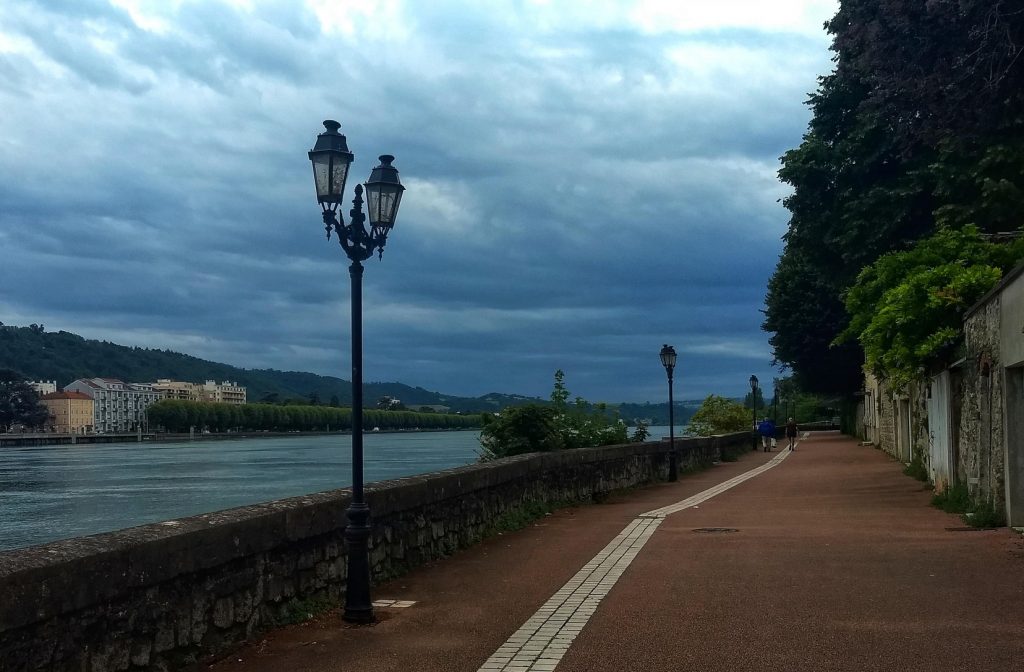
[[331, 159]]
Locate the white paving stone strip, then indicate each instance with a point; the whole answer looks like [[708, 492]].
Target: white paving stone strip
[[540, 643]]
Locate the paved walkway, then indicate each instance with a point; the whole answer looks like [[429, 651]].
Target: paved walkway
[[835, 561]]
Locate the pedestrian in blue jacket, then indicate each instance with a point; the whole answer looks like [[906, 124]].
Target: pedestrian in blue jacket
[[767, 431]]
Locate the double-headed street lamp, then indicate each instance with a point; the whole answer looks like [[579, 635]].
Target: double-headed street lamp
[[668, 360], [331, 160], [753, 404]]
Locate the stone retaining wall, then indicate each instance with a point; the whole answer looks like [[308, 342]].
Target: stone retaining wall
[[160, 596]]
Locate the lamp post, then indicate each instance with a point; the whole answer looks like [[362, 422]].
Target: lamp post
[[668, 360], [331, 159], [753, 404], [775, 402]]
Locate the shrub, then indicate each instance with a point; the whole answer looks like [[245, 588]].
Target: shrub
[[916, 469], [953, 499], [985, 514], [537, 428]]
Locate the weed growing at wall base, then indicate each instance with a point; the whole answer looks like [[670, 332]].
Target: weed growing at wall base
[[954, 499], [300, 611], [916, 469], [985, 515]]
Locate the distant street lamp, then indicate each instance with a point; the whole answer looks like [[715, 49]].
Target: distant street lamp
[[753, 404], [331, 159], [668, 360], [775, 402]]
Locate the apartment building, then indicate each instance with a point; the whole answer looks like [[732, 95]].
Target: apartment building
[[177, 389], [70, 412], [43, 386], [117, 406], [226, 393]]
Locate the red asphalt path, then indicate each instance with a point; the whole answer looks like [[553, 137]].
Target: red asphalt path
[[838, 563]]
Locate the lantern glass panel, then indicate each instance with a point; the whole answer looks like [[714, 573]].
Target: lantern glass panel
[[330, 172], [382, 202]]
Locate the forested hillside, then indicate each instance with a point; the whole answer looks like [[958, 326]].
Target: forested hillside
[[63, 357]]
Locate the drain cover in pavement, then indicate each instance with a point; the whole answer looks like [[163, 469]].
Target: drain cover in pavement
[[716, 530]]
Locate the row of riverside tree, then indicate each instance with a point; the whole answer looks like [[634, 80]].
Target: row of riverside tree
[[915, 148], [180, 416]]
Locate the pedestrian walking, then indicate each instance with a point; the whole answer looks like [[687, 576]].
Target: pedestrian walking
[[791, 431], [767, 431]]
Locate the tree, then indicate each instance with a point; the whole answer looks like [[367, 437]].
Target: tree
[[522, 429], [749, 401], [533, 427], [918, 127], [388, 403], [907, 308], [19, 402], [718, 415]]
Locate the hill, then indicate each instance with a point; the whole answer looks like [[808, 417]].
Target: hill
[[63, 356]]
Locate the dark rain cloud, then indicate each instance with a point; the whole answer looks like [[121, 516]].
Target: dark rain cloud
[[579, 192]]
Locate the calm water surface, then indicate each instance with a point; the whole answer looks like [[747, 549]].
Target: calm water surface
[[55, 492]]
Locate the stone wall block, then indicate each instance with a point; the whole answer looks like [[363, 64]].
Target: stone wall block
[[163, 640], [223, 612], [111, 657], [140, 651]]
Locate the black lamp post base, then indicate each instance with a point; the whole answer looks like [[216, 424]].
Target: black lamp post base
[[358, 607]]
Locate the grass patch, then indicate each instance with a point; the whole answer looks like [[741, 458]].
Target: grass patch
[[520, 517], [953, 499], [300, 611]]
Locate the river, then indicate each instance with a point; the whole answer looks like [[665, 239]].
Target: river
[[56, 492]]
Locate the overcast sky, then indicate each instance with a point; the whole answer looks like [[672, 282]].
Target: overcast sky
[[585, 182]]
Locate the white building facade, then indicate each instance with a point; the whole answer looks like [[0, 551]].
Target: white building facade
[[118, 406]]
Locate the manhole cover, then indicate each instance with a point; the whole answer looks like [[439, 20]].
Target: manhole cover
[[716, 530]]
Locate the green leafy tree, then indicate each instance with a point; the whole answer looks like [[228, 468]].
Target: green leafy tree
[[562, 425], [718, 415], [908, 307], [918, 127], [521, 429], [581, 424], [749, 400], [19, 402]]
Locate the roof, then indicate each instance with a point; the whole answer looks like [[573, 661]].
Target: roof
[[66, 395], [1007, 279]]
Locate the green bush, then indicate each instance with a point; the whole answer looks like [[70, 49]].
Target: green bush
[[985, 514], [718, 415], [518, 430], [953, 499], [537, 428], [916, 469]]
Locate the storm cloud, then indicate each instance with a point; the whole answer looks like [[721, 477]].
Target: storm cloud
[[585, 181]]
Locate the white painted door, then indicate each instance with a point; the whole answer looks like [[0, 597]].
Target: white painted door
[[940, 457]]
